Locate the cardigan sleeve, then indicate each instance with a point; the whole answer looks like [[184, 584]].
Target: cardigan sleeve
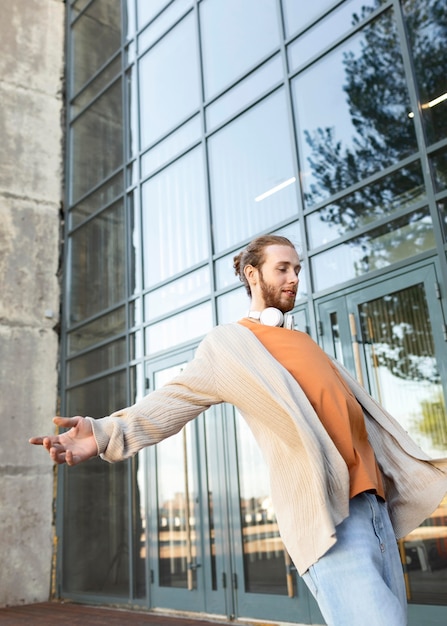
[[160, 414]]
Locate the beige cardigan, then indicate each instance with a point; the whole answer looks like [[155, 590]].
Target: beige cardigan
[[309, 479]]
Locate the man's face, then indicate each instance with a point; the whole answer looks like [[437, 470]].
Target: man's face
[[277, 283]]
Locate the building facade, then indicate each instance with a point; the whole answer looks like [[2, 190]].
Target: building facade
[[193, 126]]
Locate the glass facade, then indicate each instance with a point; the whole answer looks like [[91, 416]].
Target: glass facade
[[193, 126]]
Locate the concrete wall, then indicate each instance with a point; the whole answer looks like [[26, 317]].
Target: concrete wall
[[31, 173]]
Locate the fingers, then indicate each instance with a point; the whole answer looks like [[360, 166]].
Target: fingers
[[56, 450], [60, 455], [62, 422], [57, 456], [66, 422], [70, 459], [50, 442], [43, 441], [36, 441]]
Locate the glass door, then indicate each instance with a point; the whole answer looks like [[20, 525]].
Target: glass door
[[391, 336], [180, 540], [208, 533], [265, 582]]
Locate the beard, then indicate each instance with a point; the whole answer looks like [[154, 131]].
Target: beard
[[272, 296]]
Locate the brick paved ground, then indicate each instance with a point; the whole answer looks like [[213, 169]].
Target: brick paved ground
[[61, 613]]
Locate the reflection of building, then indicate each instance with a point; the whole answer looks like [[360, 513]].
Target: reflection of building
[[193, 125]]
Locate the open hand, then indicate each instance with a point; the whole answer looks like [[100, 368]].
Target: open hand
[[73, 446]]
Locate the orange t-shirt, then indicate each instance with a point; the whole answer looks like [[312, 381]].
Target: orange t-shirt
[[330, 396]]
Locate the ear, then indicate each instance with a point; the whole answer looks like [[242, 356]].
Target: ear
[[251, 274]]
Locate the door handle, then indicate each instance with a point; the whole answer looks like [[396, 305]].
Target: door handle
[[356, 348]]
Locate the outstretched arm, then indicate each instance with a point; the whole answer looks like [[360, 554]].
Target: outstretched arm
[[73, 446], [160, 414]]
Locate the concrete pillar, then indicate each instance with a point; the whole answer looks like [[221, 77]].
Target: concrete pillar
[[31, 176]]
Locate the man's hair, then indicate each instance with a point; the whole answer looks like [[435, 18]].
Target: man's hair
[[254, 255]]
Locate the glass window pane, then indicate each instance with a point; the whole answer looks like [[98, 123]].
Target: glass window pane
[[328, 30], [138, 533], [251, 26], [402, 366], [97, 142], [132, 174], [99, 397], [212, 536], [265, 559], [426, 25], [96, 257], [439, 168], [87, 94], [177, 294], [97, 200], [101, 329], [136, 345], [383, 198], [179, 329], [244, 92], [89, 518], [97, 361], [78, 5], [303, 291], [133, 133], [442, 210], [146, 10], [129, 21], [394, 242], [175, 220], [138, 387], [176, 496], [174, 144], [366, 128], [96, 512], [301, 320], [163, 23], [130, 53], [135, 275], [100, 22], [232, 306], [299, 14], [224, 271], [252, 174], [172, 66], [135, 312], [292, 232]]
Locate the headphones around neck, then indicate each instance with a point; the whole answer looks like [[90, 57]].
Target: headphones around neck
[[273, 317]]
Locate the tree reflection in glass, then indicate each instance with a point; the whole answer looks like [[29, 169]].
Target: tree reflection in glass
[[352, 112], [426, 22], [362, 207], [403, 375]]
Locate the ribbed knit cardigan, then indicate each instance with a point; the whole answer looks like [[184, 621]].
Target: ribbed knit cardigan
[[309, 480]]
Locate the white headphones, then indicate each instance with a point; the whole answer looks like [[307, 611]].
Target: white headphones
[[273, 317]]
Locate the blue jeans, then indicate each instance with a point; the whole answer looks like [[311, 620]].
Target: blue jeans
[[359, 581]]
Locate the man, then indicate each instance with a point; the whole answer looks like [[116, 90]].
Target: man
[[340, 466]]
